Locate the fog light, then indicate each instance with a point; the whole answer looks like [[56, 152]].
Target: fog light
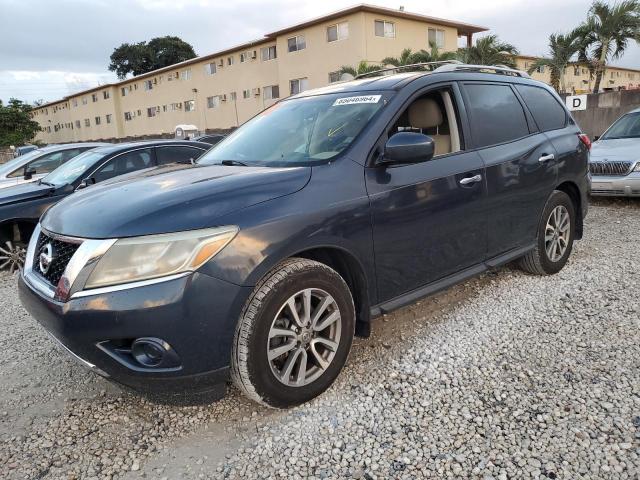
[[149, 352]]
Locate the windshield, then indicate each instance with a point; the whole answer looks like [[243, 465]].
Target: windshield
[[625, 127], [70, 171], [301, 131], [15, 162]]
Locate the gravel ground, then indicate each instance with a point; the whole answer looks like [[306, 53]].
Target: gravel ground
[[505, 376]]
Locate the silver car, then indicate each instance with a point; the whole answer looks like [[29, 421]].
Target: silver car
[[615, 158], [37, 163]]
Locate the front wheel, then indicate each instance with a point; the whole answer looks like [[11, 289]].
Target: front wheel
[[556, 233], [294, 334], [12, 255]]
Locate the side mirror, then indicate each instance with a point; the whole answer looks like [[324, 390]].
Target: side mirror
[[86, 183], [28, 173], [408, 147]]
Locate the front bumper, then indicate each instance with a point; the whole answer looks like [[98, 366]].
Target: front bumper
[[195, 314], [628, 186]]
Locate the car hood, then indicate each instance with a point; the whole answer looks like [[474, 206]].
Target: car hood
[[616, 149], [24, 192], [169, 199]]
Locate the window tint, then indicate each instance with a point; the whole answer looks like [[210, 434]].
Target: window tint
[[496, 114], [48, 163], [177, 154], [125, 163], [547, 112]]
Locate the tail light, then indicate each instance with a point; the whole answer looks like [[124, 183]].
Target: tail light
[[585, 139]]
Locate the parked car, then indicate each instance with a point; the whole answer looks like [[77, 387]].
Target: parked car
[[21, 206], [615, 158], [212, 139], [38, 163], [328, 209], [23, 149]]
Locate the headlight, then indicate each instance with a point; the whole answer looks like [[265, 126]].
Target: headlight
[[143, 258]]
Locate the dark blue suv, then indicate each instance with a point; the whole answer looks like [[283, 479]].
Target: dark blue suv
[[260, 262]]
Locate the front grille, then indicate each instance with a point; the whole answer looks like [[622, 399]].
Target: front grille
[[62, 253], [610, 168]]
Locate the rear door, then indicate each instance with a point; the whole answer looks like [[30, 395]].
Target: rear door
[[521, 164]]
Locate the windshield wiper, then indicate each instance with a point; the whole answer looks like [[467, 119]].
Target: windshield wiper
[[233, 163], [42, 182]]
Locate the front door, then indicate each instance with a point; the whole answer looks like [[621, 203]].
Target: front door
[[429, 219]]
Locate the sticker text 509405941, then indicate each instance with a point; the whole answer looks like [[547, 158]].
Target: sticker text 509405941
[[356, 100]]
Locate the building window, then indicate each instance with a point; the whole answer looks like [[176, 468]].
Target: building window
[[77, 123], [98, 119], [124, 91], [84, 101], [108, 117], [334, 76], [385, 29], [210, 68], [268, 53], [540, 69], [189, 105], [436, 36], [74, 102], [271, 92], [151, 112], [106, 94], [246, 93], [87, 122], [298, 85], [148, 85], [339, 31], [186, 74], [127, 116], [233, 96], [94, 97], [213, 102], [296, 43], [230, 61]]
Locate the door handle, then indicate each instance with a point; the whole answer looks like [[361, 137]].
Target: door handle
[[546, 158], [470, 180]]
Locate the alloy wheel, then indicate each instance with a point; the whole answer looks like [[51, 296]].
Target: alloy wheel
[[304, 337], [557, 232], [12, 256]]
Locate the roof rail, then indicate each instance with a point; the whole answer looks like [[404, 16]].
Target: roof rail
[[413, 66], [498, 69]]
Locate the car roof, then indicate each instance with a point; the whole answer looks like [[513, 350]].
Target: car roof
[[67, 146], [117, 147]]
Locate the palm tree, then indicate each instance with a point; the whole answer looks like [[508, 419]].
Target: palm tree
[[489, 50], [362, 68], [407, 57], [562, 48], [606, 33]]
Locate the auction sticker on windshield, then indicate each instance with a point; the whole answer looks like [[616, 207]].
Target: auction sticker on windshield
[[356, 100]]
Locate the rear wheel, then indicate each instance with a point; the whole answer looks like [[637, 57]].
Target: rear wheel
[[555, 237], [294, 335]]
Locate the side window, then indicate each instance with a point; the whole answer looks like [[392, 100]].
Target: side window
[[496, 114], [433, 114], [125, 163], [177, 154], [45, 164], [546, 110]]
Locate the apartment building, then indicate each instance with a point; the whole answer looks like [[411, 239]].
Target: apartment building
[[579, 80], [224, 89]]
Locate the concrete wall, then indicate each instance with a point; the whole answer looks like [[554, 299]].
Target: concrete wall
[[605, 108]]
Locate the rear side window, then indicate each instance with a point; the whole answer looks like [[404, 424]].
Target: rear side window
[[496, 114], [547, 112], [177, 154], [125, 163]]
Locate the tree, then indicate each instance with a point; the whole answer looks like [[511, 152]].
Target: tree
[[489, 50], [407, 57], [144, 57], [606, 33], [16, 125], [362, 68], [562, 49]]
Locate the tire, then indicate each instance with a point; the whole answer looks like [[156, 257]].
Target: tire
[[539, 261], [267, 311], [12, 254]]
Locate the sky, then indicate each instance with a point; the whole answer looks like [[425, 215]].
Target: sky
[[52, 48]]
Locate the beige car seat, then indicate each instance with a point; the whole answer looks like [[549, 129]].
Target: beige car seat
[[426, 113]]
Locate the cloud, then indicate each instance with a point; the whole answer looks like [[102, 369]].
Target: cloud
[[78, 36]]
